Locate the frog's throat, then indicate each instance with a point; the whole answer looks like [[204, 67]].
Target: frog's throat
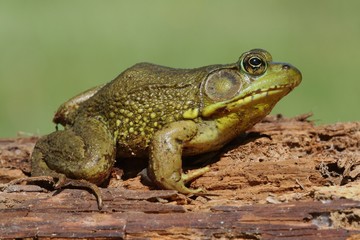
[[267, 95]]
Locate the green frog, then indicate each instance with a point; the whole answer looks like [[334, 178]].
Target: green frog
[[162, 114]]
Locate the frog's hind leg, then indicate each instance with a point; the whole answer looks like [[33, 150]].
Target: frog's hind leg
[[80, 156], [40, 171]]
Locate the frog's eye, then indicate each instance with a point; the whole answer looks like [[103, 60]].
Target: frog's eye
[[223, 85], [254, 64]]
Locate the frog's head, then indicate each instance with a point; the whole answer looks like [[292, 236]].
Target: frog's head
[[250, 88]]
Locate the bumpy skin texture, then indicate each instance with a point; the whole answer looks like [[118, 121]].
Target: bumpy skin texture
[[163, 114]]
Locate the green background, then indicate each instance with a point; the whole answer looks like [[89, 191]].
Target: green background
[[52, 50]]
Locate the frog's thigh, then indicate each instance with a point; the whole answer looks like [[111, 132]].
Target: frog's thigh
[[39, 155], [85, 151], [165, 165]]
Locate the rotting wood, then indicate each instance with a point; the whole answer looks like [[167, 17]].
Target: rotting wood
[[287, 179]]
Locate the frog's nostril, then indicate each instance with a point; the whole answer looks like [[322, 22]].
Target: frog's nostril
[[285, 67]]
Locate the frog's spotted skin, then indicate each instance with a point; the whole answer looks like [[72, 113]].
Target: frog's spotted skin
[[148, 98], [132, 115], [163, 114]]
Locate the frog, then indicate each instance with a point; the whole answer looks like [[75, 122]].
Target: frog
[[161, 114]]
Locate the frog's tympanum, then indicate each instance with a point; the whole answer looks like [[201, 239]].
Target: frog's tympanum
[[163, 114]]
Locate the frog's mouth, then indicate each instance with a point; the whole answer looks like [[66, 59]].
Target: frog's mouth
[[269, 96]]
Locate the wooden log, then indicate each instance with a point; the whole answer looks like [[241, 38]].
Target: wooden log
[[286, 179]]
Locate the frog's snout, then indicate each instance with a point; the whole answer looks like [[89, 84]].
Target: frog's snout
[[293, 73], [285, 67]]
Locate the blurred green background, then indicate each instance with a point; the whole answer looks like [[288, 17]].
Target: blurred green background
[[52, 50]]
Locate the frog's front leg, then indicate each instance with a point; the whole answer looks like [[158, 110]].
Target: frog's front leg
[[165, 165]]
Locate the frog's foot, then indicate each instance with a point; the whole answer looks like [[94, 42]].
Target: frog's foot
[[49, 179], [185, 178], [64, 182], [82, 184], [180, 186], [59, 182], [179, 183], [194, 174]]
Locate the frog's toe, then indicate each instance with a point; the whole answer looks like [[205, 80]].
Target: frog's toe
[[87, 185], [180, 187], [49, 179], [197, 191], [194, 174], [60, 181]]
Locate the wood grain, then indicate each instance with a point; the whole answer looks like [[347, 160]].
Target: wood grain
[[286, 179]]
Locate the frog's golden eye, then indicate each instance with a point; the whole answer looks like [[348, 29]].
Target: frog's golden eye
[[223, 85], [254, 64]]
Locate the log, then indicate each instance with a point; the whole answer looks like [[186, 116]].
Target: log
[[285, 179]]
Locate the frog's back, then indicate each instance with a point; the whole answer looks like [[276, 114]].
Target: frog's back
[[143, 99], [148, 75]]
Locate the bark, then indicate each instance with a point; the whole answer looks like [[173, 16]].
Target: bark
[[286, 179]]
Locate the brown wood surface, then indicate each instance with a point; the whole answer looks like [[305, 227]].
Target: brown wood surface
[[286, 179]]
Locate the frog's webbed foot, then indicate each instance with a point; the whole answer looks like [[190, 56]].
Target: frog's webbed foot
[[188, 177], [64, 182], [82, 184], [49, 179], [180, 184], [59, 182], [165, 165]]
